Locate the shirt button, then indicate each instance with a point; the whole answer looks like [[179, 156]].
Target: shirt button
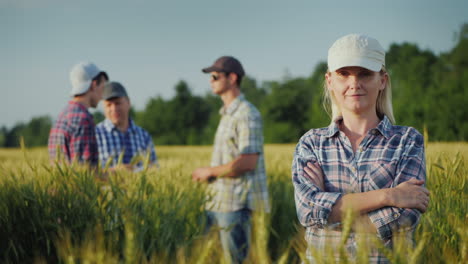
[[396, 215], [353, 169], [360, 149]]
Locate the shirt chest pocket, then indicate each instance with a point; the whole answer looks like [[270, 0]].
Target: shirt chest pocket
[[231, 145], [226, 139], [379, 176]]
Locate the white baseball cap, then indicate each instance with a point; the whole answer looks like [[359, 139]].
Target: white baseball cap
[[81, 76], [356, 50]]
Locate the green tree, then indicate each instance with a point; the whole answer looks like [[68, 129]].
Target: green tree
[[428, 90], [98, 117], [190, 115], [180, 120], [155, 120], [3, 133], [317, 116], [449, 93], [411, 74], [214, 103], [252, 92], [285, 110], [12, 138], [35, 133]]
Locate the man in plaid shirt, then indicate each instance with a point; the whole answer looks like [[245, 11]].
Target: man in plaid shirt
[[73, 136], [236, 179], [119, 135], [361, 163]]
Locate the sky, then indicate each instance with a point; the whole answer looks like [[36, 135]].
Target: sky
[[149, 46]]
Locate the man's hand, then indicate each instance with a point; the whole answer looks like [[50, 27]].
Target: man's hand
[[202, 174]]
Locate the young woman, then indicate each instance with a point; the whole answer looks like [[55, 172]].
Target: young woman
[[361, 162]]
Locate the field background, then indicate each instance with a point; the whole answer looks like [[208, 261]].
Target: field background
[[64, 215]]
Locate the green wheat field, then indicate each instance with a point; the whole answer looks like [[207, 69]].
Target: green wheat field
[[62, 214]]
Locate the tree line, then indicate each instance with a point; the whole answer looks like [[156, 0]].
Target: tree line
[[429, 91]]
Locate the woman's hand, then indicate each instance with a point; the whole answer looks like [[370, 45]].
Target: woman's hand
[[315, 174], [410, 194]]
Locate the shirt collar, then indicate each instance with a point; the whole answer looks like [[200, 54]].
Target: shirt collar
[[109, 126], [384, 127], [80, 105], [334, 127], [233, 106]]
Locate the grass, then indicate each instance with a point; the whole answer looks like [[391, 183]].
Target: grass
[[58, 214]]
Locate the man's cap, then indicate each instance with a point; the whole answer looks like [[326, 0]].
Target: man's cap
[[226, 64], [356, 50], [113, 90], [81, 76]]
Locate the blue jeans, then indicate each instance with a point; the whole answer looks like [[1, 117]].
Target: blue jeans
[[234, 232]]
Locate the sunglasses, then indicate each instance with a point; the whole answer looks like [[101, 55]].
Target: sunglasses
[[217, 77]]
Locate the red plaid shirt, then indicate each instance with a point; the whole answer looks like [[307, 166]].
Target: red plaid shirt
[[74, 135]]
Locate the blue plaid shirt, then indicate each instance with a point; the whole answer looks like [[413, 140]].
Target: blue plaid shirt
[[112, 142], [387, 156]]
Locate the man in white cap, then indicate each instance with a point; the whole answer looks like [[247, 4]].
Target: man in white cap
[[73, 134]]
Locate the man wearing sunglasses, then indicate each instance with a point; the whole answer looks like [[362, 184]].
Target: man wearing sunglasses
[[236, 179]]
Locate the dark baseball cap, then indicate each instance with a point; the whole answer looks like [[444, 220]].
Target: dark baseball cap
[[226, 64], [112, 90]]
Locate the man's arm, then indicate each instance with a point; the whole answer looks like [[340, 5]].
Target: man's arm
[[153, 158], [250, 145], [235, 168], [83, 144]]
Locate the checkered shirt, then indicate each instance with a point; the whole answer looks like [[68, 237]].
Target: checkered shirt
[[112, 142], [239, 132], [387, 156], [73, 135]]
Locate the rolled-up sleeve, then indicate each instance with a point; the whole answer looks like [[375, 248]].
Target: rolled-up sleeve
[[83, 144], [250, 133], [150, 147], [411, 165], [313, 206]]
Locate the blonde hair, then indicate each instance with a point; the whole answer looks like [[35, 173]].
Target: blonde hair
[[383, 105]]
